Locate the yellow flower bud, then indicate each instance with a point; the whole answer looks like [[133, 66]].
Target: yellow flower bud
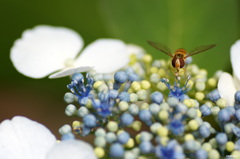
[[130, 143], [193, 125], [199, 96], [99, 152], [145, 84], [163, 115], [162, 132], [230, 146], [147, 58], [153, 69], [135, 86], [222, 103], [136, 125], [212, 82]]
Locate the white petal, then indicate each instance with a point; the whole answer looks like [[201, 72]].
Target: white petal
[[235, 58], [44, 49], [71, 149], [236, 82], [21, 138], [106, 55], [70, 71], [134, 49], [227, 88]]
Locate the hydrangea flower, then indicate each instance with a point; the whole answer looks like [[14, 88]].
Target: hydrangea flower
[[170, 151], [130, 111], [22, 138], [228, 84], [177, 91], [47, 49], [78, 87]]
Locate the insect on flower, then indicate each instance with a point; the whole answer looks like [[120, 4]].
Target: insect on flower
[[180, 55]]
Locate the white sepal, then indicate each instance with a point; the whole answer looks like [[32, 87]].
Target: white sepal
[[227, 88], [105, 55], [22, 138], [44, 49], [71, 149], [235, 58], [70, 71]]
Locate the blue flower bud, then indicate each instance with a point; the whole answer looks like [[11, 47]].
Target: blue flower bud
[[68, 136], [110, 137], [116, 86], [123, 137], [69, 97], [176, 127], [172, 101], [154, 108], [206, 110], [83, 101], [191, 145], [146, 147], [113, 94], [188, 60], [236, 131], [221, 138], [201, 154], [214, 95], [230, 110], [103, 96], [237, 114], [85, 130], [116, 150], [124, 96], [120, 77], [156, 97], [78, 77], [90, 121], [237, 145], [133, 109], [181, 108], [126, 119], [145, 116], [223, 116], [237, 97], [204, 131], [146, 136], [133, 77]]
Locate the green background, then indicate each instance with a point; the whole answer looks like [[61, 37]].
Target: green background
[[175, 23]]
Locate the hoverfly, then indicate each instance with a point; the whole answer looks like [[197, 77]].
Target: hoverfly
[[180, 55]]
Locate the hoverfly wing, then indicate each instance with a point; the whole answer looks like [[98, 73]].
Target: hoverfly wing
[[200, 49], [161, 47]]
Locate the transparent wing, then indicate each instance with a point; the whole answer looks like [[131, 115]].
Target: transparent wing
[[70, 71], [200, 49], [160, 47]]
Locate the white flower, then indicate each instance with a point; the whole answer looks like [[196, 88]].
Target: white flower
[[228, 85], [22, 138], [46, 49]]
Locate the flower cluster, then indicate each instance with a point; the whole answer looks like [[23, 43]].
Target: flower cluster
[[143, 112]]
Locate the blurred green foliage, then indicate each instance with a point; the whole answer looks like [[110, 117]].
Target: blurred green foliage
[[176, 23]]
